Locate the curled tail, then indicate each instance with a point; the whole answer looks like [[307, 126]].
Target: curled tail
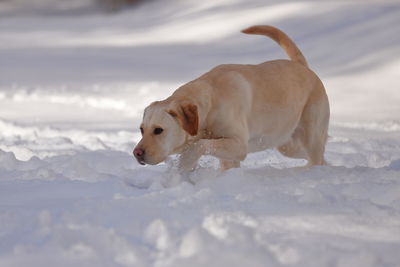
[[282, 39]]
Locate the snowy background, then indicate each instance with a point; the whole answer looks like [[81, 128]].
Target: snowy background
[[74, 80]]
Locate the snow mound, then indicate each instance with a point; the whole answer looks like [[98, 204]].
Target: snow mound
[[249, 216]]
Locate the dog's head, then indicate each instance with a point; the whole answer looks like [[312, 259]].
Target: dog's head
[[165, 129]]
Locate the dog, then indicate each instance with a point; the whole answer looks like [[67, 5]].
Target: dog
[[235, 109]]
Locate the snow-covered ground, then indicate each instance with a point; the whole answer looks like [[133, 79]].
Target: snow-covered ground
[[72, 89]]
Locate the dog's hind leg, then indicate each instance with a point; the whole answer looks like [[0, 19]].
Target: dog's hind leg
[[309, 138], [294, 148], [315, 118]]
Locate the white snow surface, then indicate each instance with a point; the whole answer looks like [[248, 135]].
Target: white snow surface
[[72, 90]]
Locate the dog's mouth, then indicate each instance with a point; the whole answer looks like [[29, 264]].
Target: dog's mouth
[[141, 162]]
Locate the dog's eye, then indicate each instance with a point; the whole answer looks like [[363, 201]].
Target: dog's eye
[[141, 130], [158, 130]]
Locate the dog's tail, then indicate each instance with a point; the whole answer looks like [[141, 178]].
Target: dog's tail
[[282, 39]]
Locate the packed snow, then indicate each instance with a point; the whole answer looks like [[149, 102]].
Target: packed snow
[[72, 90]]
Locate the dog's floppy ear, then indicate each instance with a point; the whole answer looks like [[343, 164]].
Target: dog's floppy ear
[[186, 114]]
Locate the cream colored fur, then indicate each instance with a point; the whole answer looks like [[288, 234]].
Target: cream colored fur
[[236, 109]]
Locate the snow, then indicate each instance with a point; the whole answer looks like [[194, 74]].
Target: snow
[[72, 91]]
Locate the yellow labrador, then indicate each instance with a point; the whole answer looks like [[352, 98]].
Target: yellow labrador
[[236, 109]]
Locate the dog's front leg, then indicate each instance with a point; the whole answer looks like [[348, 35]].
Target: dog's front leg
[[226, 149], [190, 156]]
